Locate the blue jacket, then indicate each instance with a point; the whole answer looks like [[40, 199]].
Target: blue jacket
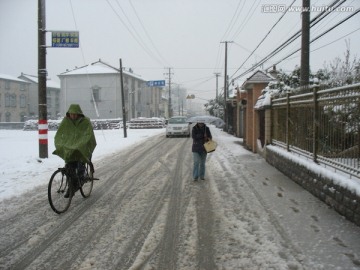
[[200, 135]]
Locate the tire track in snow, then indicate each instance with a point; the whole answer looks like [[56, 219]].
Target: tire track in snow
[[74, 213], [168, 241]]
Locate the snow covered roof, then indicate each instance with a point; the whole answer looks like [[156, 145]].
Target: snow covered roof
[[258, 76], [274, 88], [98, 68], [49, 83], [90, 69], [11, 78]]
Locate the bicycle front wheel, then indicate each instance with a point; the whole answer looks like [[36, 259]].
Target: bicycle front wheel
[[87, 183], [57, 189]]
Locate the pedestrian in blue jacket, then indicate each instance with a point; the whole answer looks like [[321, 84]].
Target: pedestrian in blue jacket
[[200, 134]]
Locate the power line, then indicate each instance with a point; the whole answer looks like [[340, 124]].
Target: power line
[[313, 22], [323, 46], [282, 16], [146, 32], [140, 42], [246, 20], [322, 34], [237, 16]]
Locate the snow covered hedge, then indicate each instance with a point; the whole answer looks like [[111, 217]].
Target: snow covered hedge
[[143, 123], [97, 124]]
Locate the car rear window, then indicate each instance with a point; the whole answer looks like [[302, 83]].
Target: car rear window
[[177, 120]]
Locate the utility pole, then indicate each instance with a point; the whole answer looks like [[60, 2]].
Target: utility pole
[[225, 85], [169, 103], [42, 74], [123, 99], [305, 44], [217, 86], [178, 94]]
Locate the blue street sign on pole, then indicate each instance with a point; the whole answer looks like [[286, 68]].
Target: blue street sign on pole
[[65, 39], [155, 83]]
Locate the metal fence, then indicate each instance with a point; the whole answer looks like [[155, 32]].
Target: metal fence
[[323, 125]]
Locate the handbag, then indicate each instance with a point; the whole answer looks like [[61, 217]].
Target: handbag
[[210, 146]]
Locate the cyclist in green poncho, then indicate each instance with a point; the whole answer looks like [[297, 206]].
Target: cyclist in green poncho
[[75, 140]]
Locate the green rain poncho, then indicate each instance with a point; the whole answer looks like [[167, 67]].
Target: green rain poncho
[[75, 139]]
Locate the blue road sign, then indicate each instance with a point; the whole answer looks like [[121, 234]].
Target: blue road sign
[[65, 39], [155, 83]]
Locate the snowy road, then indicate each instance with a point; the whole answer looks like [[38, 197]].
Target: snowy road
[[147, 213]]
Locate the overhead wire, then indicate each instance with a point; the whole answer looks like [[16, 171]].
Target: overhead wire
[[236, 15], [246, 19], [267, 34], [147, 34], [313, 22], [320, 16], [327, 44], [322, 34], [316, 21], [218, 58], [140, 42], [229, 28]]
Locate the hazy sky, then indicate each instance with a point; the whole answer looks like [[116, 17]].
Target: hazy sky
[[153, 35]]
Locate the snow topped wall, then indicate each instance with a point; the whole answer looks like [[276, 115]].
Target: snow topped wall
[[341, 194]]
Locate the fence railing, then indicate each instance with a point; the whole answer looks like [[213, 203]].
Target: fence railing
[[323, 125]]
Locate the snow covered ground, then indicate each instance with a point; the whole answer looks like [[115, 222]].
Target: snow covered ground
[[147, 211], [20, 166]]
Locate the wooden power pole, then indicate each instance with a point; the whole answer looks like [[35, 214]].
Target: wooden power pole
[[305, 45], [42, 74]]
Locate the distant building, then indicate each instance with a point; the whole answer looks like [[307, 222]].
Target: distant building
[[14, 99], [96, 87], [52, 96]]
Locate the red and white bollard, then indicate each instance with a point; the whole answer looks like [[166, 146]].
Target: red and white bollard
[[43, 138]]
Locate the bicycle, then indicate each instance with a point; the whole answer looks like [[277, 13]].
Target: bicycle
[[65, 181]]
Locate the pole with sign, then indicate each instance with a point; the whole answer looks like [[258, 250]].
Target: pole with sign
[[42, 74], [60, 39]]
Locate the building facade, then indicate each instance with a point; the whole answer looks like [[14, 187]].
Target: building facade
[[52, 96], [97, 88], [14, 99]]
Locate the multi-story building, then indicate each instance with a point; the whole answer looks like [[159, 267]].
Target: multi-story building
[[14, 99], [97, 88], [52, 96]]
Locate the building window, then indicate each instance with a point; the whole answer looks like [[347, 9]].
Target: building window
[[7, 100], [95, 93], [22, 117], [22, 101], [7, 85], [7, 117], [22, 87], [13, 100], [48, 102]]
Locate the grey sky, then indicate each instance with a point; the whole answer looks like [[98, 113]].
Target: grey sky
[[185, 35]]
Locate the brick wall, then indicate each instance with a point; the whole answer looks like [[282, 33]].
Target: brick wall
[[344, 201]]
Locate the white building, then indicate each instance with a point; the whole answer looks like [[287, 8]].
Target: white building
[[52, 96], [97, 88]]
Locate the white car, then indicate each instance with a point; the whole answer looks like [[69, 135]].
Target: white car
[[178, 126]]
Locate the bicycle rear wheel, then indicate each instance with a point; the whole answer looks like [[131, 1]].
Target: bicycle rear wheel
[[87, 183], [58, 186]]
